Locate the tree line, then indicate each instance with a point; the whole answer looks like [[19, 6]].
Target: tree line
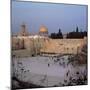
[[56, 35], [77, 34]]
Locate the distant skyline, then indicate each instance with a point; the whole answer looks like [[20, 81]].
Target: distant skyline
[[54, 16]]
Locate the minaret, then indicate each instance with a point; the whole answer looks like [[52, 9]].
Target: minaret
[[23, 31]]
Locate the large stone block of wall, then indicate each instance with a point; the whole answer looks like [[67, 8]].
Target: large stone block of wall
[[17, 43], [14, 43], [21, 43]]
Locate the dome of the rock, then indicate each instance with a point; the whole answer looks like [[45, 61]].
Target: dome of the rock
[[43, 29]]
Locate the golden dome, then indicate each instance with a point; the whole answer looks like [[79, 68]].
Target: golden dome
[[43, 29]]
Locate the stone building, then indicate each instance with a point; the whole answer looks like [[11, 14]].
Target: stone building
[[23, 31]]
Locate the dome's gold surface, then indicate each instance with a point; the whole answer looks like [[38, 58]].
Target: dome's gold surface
[[43, 29]]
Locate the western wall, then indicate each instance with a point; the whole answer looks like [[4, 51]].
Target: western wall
[[47, 45]]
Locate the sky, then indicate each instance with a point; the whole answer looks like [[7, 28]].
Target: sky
[[54, 16]]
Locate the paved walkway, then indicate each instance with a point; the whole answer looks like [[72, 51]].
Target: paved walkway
[[45, 71]]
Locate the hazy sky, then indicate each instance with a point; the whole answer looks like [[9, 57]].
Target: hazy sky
[[53, 16]]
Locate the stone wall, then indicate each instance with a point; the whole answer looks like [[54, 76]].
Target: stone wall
[[47, 45], [63, 46]]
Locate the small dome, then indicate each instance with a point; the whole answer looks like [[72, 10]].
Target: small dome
[[43, 29]]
